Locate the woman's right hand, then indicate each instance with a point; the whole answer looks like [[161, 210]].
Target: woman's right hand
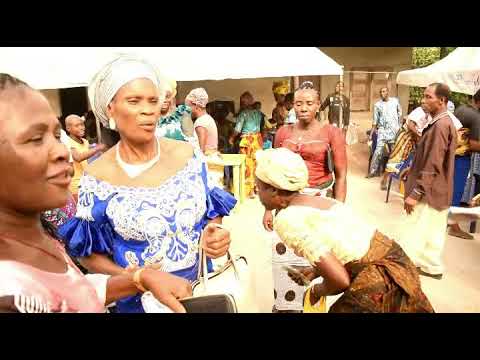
[[404, 174], [268, 220], [166, 288], [309, 272]]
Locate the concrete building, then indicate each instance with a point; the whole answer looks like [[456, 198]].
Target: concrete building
[[366, 70]]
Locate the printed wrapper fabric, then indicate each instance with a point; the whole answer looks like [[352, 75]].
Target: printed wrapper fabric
[[319, 307], [249, 145], [404, 145], [463, 144], [384, 280]]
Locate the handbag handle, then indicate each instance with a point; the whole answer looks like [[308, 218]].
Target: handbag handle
[[202, 276]]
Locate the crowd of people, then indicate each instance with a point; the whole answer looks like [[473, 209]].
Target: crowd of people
[[433, 153], [84, 225]]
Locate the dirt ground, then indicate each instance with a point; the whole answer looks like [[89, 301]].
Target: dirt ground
[[458, 291]]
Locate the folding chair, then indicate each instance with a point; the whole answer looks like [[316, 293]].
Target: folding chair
[[396, 175]]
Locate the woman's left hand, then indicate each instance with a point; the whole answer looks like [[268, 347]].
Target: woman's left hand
[[216, 241]]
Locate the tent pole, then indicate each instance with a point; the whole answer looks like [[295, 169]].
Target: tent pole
[[296, 82]]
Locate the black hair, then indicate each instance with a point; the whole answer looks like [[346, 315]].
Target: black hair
[[7, 81], [476, 96], [383, 87], [49, 228], [441, 90], [289, 97], [308, 85]]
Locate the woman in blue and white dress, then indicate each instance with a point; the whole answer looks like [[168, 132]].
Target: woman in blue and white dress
[[146, 201]]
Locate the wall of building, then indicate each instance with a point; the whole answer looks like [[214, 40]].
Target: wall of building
[[261, 90], [399, 58], [53, 97]]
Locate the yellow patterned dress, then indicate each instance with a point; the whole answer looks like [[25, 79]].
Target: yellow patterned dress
[[248, 124]]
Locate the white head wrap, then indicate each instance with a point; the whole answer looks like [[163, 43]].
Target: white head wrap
[[106, 83], [198, 97], [282, 169], [171, 85]]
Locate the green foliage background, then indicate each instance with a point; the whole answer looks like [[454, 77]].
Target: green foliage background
[[424, 56]]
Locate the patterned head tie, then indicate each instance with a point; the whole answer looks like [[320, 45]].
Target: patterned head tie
[[106, 83], [198, 97], [282, 169], [281, 87]]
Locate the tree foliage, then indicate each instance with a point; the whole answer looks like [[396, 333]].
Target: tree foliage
[[424, 56]]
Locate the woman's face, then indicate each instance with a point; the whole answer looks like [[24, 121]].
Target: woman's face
[[267, 196], [136, 109], [339, 88], [246, 101], [306, 105], [33, 161], [167, 102]]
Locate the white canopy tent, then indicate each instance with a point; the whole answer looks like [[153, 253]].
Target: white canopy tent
[[460, 70], [55, 68]]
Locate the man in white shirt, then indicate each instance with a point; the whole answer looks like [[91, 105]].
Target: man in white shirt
[[291, 117], [418, 120]]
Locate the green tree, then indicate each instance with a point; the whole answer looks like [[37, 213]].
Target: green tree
[[424, 56]]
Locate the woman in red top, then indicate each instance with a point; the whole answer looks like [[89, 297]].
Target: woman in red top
[[312, 145], [311, 141]]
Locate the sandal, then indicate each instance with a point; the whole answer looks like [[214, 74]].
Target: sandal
[[475, 201], [460, 234], [434, 276]]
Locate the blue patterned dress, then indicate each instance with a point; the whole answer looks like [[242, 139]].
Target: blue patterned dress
[[141, 226]]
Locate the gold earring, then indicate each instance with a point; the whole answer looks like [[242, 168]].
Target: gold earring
[[111, 124]]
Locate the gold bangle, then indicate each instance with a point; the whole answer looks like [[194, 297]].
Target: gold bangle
[[137, 280]]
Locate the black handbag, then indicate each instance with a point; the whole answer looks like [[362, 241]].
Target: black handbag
[[330, 163], [216, 304]]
